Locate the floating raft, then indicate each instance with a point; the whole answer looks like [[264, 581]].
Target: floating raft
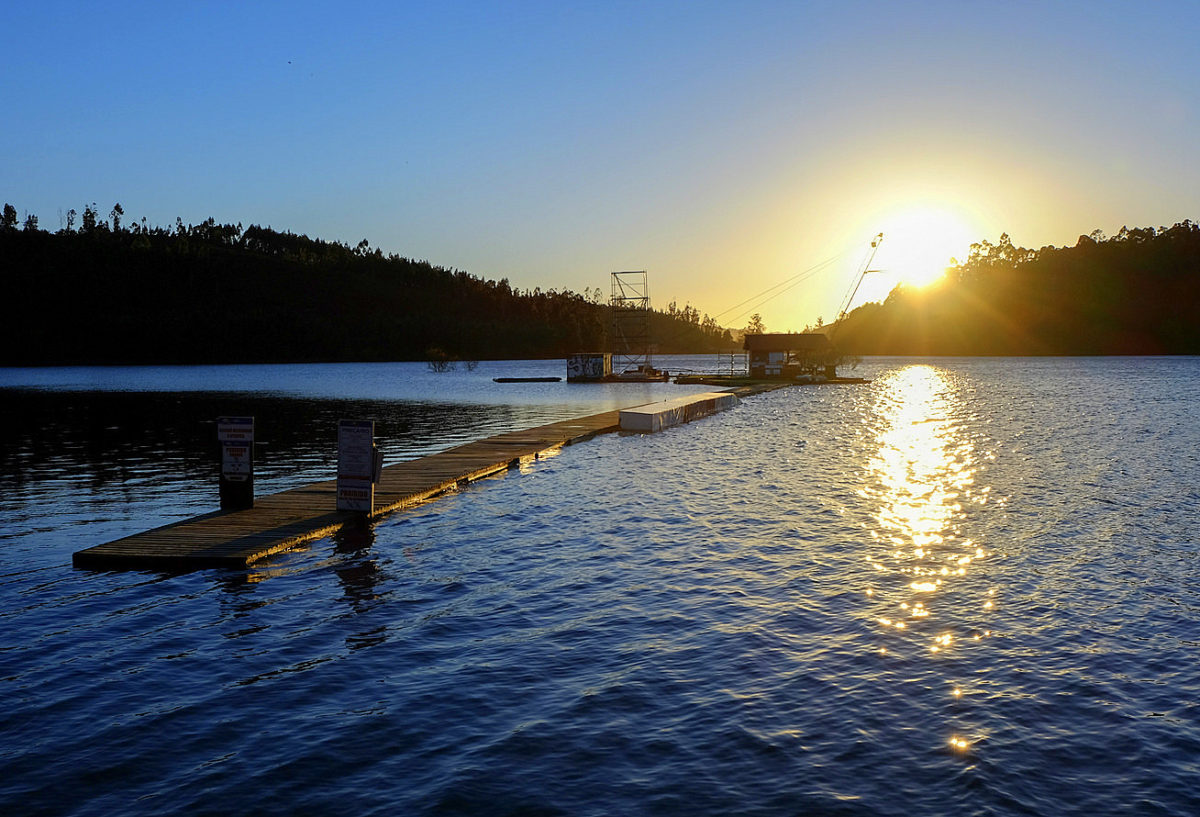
[[679, 410], [277, 522], [739, 381]]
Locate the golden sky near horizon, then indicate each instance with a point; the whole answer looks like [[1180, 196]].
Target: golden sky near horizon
[[727, 149]]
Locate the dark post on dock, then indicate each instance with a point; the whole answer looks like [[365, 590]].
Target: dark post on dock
[[236, 438]]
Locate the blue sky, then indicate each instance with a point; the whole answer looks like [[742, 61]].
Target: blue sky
[[723, 147]]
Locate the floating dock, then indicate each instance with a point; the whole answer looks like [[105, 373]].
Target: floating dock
[[737, 381], [677, 411], [526, 379], [280, 521], [277, 522]]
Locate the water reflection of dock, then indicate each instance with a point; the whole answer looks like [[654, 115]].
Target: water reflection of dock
[[279, 521]]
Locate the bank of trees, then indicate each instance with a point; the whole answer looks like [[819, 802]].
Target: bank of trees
[[107, 289], [112, 291], [1134, 293]]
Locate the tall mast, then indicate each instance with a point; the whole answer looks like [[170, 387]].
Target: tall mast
[[862, 273]]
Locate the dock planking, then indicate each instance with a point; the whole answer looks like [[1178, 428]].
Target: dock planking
[[236, 539], [283, 520]]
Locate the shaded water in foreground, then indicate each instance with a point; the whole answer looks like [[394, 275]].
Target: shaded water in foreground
[[970, 587]]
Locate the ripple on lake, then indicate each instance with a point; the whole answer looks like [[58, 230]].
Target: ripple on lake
[[693, 621]]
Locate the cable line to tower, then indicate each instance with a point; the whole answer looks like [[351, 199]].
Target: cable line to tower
[[782, 287]]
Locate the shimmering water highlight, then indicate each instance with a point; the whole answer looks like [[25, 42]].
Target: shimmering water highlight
[[967, 588]]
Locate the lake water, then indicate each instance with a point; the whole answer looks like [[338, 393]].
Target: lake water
[[968, 587]]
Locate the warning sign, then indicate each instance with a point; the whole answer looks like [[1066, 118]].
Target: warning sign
[[356, 465], [235, 435]]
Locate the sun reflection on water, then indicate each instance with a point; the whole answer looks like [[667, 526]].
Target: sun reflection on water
[[921, 478], [923, 464]]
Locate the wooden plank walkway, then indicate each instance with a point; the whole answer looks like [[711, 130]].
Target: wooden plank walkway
[[280, 521]]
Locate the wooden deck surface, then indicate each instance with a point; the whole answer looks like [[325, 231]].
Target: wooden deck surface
[[279, 521]]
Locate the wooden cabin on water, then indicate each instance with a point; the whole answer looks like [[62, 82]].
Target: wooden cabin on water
[[785, 356]]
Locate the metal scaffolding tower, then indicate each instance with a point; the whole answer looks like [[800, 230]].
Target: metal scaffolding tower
[[630, 322]]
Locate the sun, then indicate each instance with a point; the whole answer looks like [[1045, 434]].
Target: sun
[[918, 243]]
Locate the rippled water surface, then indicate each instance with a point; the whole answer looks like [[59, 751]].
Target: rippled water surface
[[969, 587]]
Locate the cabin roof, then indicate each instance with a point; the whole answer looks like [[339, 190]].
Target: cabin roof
[[781, 342]]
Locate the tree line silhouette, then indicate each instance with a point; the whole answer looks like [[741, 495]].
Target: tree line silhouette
[[108, 291], [1135, 293]]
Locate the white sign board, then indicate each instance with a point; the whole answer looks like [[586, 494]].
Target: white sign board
[[236, 435], [356, 465]]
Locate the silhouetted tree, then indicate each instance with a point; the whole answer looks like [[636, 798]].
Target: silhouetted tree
[[1135, 293], [220, 293]]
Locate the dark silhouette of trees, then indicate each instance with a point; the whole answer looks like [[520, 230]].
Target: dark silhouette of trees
[[89, 219], [1135, 293], [215, 292]]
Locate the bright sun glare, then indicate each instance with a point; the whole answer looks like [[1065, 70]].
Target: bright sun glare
[[918, 243]]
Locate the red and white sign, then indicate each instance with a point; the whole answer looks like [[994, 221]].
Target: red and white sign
[[236, 435], [356, 465]]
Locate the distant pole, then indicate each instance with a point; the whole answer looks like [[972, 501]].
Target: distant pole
[[236, 437]]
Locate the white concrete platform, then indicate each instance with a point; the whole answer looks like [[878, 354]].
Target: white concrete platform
[[676, 411]]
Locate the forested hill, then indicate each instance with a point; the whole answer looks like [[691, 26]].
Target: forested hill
[[1136, 293], [107, 292]]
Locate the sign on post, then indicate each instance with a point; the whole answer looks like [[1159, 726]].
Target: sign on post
[[236, 438], [356, 465]]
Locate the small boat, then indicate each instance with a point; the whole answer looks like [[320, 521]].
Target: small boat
[[641, 374]]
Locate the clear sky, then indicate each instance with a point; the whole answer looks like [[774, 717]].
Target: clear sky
[[724, 147]]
